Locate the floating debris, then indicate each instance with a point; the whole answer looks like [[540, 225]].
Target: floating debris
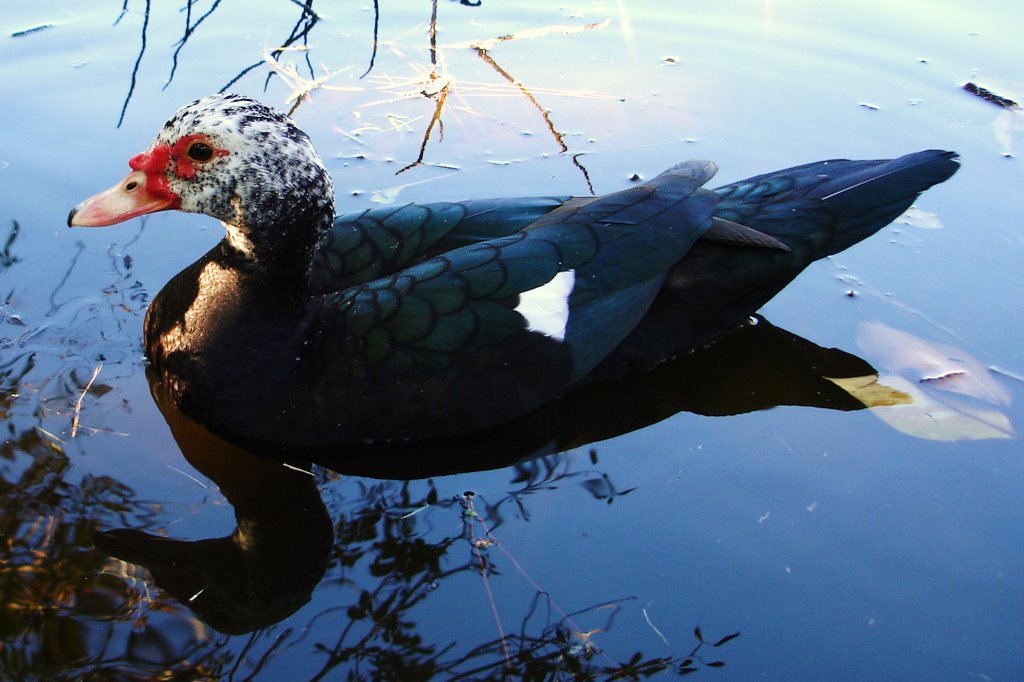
[[989, 96], [30, 29], [869, 105], [915, 217]]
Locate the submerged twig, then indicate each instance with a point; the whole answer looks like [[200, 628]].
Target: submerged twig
[[187, 475], [654, 627], [78, 403], [286, 465], [478, 546]]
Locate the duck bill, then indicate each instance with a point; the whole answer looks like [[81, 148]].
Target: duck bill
[[127, 199]]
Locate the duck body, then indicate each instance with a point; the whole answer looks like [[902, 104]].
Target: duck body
[[442, 319]]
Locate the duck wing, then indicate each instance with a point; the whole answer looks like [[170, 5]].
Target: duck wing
[[374, 243], [492, 329]]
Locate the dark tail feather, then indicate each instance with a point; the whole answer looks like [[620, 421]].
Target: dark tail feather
[[872, 183], [822, 208], [816, 210]]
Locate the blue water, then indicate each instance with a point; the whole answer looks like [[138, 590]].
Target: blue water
[[838, 546]]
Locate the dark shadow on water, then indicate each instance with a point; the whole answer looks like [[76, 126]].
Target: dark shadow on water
[[756, 367], [270, 565]]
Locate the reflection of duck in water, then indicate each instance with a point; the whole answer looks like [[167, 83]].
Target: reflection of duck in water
[[269, 566], [440, 319]]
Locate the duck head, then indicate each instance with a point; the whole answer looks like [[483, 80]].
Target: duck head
[[234, 159]]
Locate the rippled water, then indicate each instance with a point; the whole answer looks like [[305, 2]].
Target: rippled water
[[838, 544]]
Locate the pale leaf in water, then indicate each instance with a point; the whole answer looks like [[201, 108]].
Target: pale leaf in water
[[1005, 126], [936, 365], [952, 395], [387, 196], [915, 217], [954, 419]]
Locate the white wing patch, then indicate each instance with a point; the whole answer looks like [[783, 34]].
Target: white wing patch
[[546, 308]]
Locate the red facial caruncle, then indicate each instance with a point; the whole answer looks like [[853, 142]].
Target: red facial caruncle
[[147, 189]]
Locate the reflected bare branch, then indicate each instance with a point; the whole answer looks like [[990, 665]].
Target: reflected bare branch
[[7, 259], [545, 114], [376, 27], [307, 20], [442, 96], [433, 34], [189, 30], [54, 306], [138, 60]]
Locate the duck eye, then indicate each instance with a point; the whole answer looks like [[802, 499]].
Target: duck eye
[[200, 151]]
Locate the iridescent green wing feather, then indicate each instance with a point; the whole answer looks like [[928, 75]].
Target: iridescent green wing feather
[[374, 243], [582, 281]]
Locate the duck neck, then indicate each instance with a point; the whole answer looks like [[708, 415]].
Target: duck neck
[[280, 254]]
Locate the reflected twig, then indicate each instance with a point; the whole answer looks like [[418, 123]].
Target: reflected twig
[[307, 20], [583, 170], [436, 118], [301, 87], [310, 18], [54, 306], [545, 114], [376, 27], [189, 30], [481, 48], [124, 10], [307, 8], [433, 34], [138, 60], [7, 259]]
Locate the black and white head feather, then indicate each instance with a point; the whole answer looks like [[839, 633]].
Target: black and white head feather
[[263, 178]]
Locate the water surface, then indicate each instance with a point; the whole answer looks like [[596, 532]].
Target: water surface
[[838, 545]]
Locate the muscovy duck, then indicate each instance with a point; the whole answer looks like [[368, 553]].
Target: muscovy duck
[[441, 319]]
